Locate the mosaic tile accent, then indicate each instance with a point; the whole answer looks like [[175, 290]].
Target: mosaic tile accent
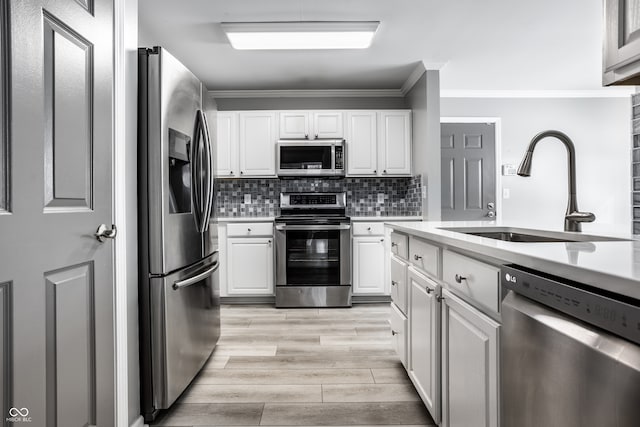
[[635, 161], [401, 195]]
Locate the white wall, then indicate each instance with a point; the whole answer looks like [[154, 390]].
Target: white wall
[[424, 100], [600, 130]]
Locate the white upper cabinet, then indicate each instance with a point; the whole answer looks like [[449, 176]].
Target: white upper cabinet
[[394, 152], [258, 134], [621, 56], [362, 143], [294, 124], [227, 145], [311, 124]]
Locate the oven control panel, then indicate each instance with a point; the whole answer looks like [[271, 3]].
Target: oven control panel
[[618, 316]]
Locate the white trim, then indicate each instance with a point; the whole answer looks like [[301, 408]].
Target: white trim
[[619, 92], [138, 422], [313, 93], [413, 78], [119, 205], [497, 121]]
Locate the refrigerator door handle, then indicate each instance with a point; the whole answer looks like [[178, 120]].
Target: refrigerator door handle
[[195, 279], [208, 202], [196, 176]]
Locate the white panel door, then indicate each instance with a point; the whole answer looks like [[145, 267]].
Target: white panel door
[[424, 340], [56, 279], [368, 265], [294, 124], [328, 124], [257, 143], [469, 365], [227, 145], [395, 142], [362, 143], [250, 266]]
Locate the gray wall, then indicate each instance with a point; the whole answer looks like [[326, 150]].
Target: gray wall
[[600, 129], [131, 76], [424, 100], [338, 103]]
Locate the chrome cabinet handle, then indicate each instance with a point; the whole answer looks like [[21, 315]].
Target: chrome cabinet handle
[[417, 257], [394, 332], [248, 230], [316, 136], [241, 172], [368, 228], [231, 173], [394, 283], [429, 290], [306, 136], [459, 278], [384, 171], [382, 240], [439, 298], [375, 171], [103, 232], [393, 244], [269, 241]]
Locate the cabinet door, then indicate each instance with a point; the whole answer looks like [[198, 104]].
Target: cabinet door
[[294, 125], [368, 265], [469, 365], [327, 124], [227, 145], [361, 143], [622, 41], [250, 266], [257, 144], [395, 142], [424, 340]]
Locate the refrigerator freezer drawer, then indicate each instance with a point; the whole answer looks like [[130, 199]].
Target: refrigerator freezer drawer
[[185, 326]]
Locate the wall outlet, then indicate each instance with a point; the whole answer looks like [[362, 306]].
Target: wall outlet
[[424, 192], [380, 198], [247, 199], [509, 170]]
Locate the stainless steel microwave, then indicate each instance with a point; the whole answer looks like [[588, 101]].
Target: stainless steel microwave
[[311, 158]]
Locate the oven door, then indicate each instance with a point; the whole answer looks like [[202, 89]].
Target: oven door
[[313, 255]]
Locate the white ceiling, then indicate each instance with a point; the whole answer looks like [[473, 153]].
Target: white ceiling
[[482, 44]]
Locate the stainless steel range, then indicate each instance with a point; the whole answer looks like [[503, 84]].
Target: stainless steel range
[[313, 251]]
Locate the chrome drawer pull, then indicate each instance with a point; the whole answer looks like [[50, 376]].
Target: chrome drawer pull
[[394, 283], [460, 278], [394, 332], [417, 257], [429, 290], [393, 244]]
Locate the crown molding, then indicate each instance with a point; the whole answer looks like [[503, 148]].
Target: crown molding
[[413, 78], [594, 93], [314, 93]]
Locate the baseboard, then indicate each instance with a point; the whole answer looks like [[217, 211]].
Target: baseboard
[[248, 300], [139, 422], [370, 299]]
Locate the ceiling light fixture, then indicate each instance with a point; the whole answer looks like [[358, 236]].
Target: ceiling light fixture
[[300, 35]]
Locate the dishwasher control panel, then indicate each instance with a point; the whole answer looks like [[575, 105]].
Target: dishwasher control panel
[[618, 316]]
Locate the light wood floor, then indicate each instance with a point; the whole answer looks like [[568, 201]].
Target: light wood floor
[[301, 367]]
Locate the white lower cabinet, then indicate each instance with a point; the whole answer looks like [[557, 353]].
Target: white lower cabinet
[[250, 266], [398, 323], [424, 339], [399, 292], [470, 345], [368, 265]]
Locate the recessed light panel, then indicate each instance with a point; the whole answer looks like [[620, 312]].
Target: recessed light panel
[[300, 35]]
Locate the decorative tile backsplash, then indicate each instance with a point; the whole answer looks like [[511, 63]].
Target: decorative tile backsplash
[[635, 161], [401, 195]]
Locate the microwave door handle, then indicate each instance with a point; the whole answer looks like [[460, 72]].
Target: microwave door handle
[[195, 279], [333, 157], [196, 180]]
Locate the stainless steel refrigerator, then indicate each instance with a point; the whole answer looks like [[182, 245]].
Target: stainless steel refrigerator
[[178, 287]]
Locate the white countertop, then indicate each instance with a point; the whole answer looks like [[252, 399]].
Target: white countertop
[[246, 219], [386, 218], [613, 266]]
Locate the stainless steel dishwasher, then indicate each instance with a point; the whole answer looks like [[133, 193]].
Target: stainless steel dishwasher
[[570, 354]]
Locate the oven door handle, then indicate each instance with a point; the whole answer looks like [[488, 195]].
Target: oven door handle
[[312, 227]]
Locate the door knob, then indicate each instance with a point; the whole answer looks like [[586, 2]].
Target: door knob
[[103, 232], [491, 205], [491, 214]]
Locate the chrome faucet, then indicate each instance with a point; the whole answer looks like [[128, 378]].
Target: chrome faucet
[[573, 218]]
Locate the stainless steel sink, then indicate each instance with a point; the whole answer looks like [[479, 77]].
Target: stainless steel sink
[[523, 235]]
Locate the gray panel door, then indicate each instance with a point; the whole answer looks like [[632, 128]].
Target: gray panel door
[[468, 171], [56, 279]]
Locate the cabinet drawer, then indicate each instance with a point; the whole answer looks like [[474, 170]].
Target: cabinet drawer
[[400, 245], [475, 279], [368, 228], [399, 283], [250, 229], [398, 323], [424, 256]]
